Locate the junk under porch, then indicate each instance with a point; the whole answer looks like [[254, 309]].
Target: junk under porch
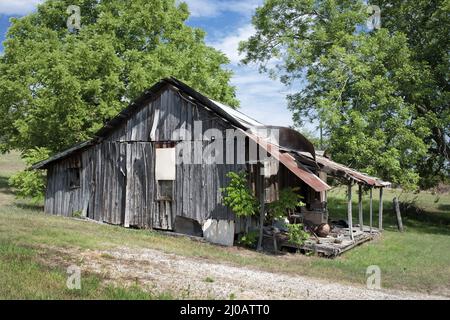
[[329, 233]]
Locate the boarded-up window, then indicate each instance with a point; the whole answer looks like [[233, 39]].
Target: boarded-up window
[[165, 164], [165, 170], [74, 178]]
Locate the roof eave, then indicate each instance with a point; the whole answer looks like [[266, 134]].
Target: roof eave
[[61, 155]]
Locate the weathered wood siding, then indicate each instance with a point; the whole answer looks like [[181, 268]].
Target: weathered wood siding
[[109, 183], [140, 184], [117, 180], [60, 198]]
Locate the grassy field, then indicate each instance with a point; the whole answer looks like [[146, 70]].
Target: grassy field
[[23, 229], [418, 259]]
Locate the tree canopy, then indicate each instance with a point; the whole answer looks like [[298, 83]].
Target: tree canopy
[[382, 95], [57, 87]]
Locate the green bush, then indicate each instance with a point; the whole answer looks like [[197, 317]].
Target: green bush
[[238, 196], [249, 239], [287, 201], [30, 183], [296, 234], [77, 214]]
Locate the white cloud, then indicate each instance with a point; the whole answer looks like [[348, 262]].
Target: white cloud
[[213, 8], [202, 8], [264, 99], [18, 7], [229, 44], [261, 98]]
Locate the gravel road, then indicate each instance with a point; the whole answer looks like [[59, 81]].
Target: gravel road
[[199, 278]]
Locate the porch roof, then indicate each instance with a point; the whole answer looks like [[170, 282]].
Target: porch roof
[[339, 170]]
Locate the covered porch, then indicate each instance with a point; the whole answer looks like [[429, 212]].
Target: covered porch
[[332, 236]]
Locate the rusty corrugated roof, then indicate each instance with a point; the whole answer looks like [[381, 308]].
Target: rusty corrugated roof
[[338, 169], [291, 164]]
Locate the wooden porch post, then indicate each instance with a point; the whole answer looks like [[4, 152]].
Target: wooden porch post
[[349, 210], [380, 211], [360, 208], [262, 199], [371, 210]]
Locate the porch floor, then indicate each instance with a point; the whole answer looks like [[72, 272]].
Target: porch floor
[[336, 243]]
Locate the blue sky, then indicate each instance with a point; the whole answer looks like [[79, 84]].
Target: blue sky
[[226, 22]]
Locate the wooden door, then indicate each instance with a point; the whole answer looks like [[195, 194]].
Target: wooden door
[[164, 191]]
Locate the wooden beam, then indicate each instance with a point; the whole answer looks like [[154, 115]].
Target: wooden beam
[[349, 210], [380, 211], [262, 200], [275, 245], [371, 209], [360, 208]]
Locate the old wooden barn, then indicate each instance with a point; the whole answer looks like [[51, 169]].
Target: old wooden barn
[[143, 169]]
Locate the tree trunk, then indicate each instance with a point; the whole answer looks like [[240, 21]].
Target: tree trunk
[[398, 214]]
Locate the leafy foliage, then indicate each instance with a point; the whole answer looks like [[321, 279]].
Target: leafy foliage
[[287, 201], [318, 142], [58, 87], [381, 95], [296, 234], [77, 214], [31, 183], [238, 196], [249, 239]]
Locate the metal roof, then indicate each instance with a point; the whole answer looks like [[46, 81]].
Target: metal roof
[[339, 170], [295, 166], [239, 116], [80, 146]]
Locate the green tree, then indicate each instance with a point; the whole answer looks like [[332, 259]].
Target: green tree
[[58, 87], [382, 95]]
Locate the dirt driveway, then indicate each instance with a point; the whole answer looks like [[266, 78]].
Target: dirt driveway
[[191, 278]]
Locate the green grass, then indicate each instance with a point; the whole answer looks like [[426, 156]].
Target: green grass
[[417, 259], [22, 273], [209, 280], [427, 213], [23, 277]]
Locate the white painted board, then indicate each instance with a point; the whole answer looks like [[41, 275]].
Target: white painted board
[[219, 231], [165, 164]]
